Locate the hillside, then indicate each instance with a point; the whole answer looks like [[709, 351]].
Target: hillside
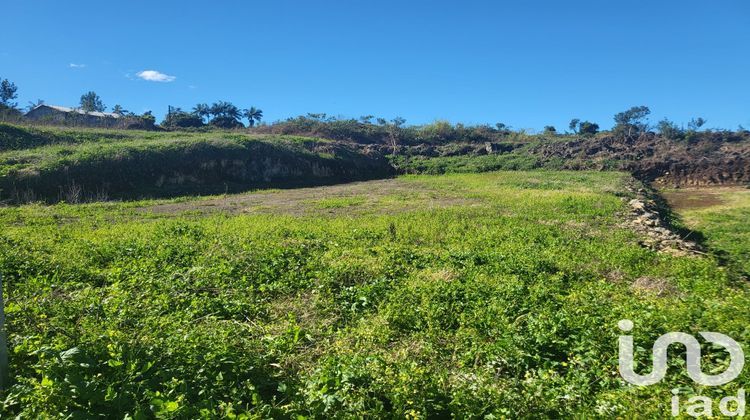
[[443, 292], [75, 164], [84, 164], [707, 159]]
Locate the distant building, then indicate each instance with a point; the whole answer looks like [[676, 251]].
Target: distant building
[[72, 116]]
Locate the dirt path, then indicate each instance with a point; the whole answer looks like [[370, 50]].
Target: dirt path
[[383, 196], [697, 198]]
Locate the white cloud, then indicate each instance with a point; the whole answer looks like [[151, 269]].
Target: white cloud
[[155, 76], [76, 66]]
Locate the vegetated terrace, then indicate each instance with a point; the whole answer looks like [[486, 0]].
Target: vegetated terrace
[[498, 294]]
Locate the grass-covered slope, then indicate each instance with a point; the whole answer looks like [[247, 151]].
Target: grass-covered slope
[[722, 215], [513, 161], [89, 164], [14, 137], [469, 295]]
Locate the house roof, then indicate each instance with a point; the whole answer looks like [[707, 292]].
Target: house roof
[[78, 111]]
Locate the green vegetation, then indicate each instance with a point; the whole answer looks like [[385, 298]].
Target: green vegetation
[[584, 128], [338, 202], [14, 137], [91, 102], [725, 221], [8, 94], [225, 115], [501, 301], [466, 164], [631, 122], [463, 295], [82, 165], [670, 130]]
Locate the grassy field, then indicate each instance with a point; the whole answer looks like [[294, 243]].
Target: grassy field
[[723, 216], [473, 295]]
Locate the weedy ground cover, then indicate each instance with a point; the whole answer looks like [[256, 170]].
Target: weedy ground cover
[[723, 216], [498, 295], [80, 165]]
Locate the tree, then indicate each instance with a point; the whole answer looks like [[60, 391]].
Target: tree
[[394, 132], [587, 128], [226, 115], [203, 111], [177, 118], [31, 105], [696, 123], [8, 93], [117, 109], [226, 122], [573, 126], [317, 116], [225, 110], [148, 117], [549, 129], [633, 121], [146, 121], [91, 102], [253, 115], [669, 130], [502, 128]]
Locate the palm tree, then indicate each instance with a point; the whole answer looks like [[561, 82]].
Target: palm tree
[[253, 115], [225, 109], [231, 111], [117, 109], [226, 115], [203, 111]]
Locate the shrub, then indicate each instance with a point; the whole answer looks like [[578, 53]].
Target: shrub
[[587, 128], [181, 119], [669, 130], [226, 122]]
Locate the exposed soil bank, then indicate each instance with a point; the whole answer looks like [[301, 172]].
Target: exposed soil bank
[[698, 198], [713, 159], [705, 159], [201, 167]]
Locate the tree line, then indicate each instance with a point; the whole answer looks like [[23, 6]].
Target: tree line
[[223, 114]]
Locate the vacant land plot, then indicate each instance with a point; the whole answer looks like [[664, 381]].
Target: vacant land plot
[[722, 215], [471, 295]]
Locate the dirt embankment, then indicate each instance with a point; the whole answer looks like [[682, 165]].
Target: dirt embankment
[[701, 159], [200, 167], [712, 159]]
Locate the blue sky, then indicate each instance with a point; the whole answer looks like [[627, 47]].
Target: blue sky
[[524, 63]]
